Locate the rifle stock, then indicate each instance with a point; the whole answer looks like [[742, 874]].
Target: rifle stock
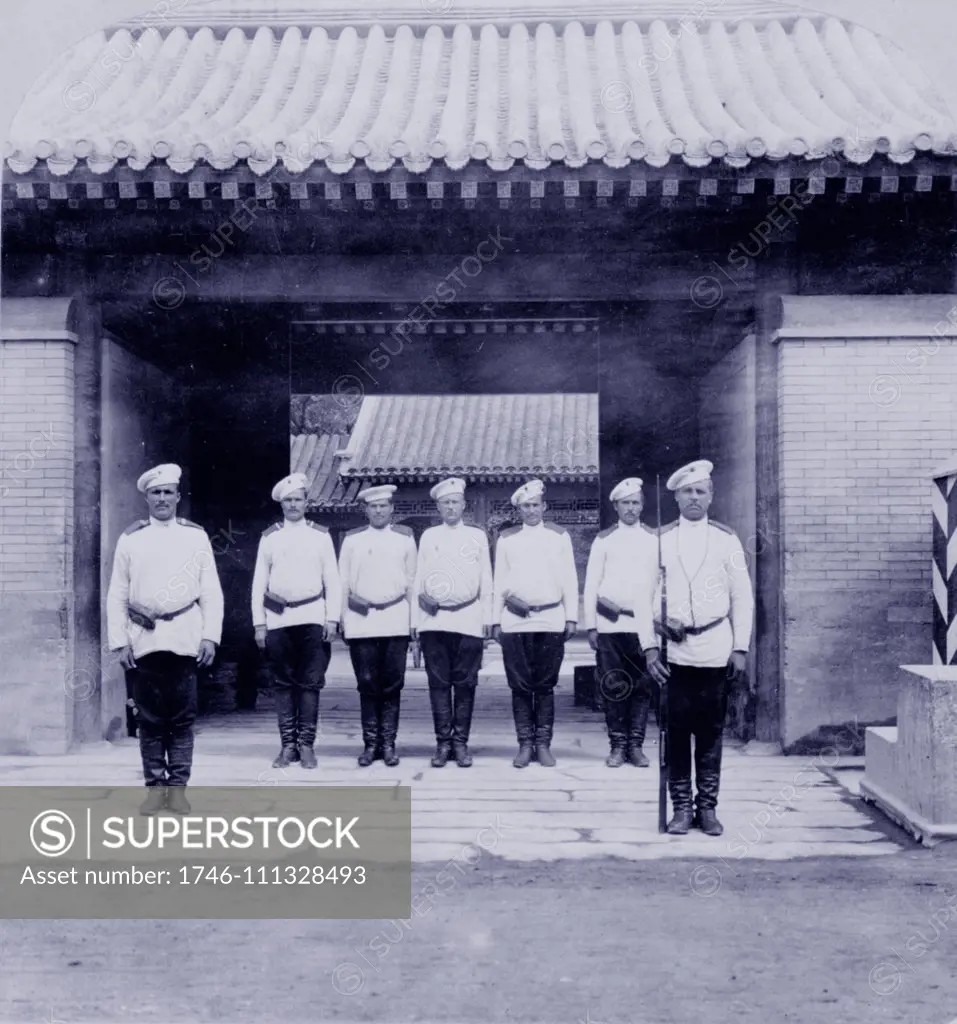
[[663, 688]]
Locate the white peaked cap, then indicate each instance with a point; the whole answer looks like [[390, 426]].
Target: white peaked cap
[[446, 487], [377, 493], [625, 489], [289, 485], [693, 473], [159, 476], [528, 492]]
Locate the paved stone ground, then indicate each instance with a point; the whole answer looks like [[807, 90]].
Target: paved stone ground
[[773, 807]]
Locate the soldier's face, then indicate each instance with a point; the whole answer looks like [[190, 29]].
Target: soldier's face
[[629, 509], [379, 513], [162, 501], [294, 506], [451, 508], [695, 500], [532, 511]]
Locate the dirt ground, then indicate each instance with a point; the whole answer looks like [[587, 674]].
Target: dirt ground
[[659, 942]]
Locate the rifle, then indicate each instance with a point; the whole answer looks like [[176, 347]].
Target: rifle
[[663, 688]]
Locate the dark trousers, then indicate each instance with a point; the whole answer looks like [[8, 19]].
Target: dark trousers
[[697, 706], [379, 664], [624, 686], [451, 659], [298, 658], [452, 663], [164, 692], [532, 661]]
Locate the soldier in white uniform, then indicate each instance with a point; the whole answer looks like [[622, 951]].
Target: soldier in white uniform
[[619, 628], [377, 567], [452, 618], [535, 612], [164, 615], [296, 602], [710, 615]]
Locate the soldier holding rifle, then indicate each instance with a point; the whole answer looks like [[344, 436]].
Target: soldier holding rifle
[[709, 632]]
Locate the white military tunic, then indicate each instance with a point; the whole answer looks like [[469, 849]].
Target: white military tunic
[[296, 561], [377, 565], [707, 579], [623, 568], [454, 566], [535, 564], [162, 567]]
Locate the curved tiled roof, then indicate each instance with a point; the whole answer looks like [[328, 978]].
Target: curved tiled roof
[[474, 435], [537, 93]]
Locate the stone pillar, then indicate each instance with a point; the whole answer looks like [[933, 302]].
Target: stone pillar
[[38, 337], [945, 559]]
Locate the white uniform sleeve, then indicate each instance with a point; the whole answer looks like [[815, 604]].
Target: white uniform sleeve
[[593, 575], [486, 584], [742, 596], [410, 558], [345, 555], [500, 580], [569, 580], [417, 612], [210, 596], [117, 596], [260, 584], [646, 589], [330, 579]]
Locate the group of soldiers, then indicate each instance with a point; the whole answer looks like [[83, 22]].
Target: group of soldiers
[[384, 591]]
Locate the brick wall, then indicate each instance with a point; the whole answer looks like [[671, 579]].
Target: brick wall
[[36, 544], [863, 422], [727, 438]]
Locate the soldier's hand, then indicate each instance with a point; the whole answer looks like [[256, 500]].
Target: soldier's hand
[[125, 655], [487, 632], [593, 639], [497, 634], [207, 651], [414, 634], [261, 637], [657, 669], [330, 630], [737, 664], [571, 628]]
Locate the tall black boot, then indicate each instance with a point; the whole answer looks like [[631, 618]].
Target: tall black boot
[[637, 724], [522, 712], [615, 712], [441, 701], [708, 777], [286, 716], [464, 704], [544, 725], [153, 755], [308, 722], [369, 716], [681, 822], [390, 729]]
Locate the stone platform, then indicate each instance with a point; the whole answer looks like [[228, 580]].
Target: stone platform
[[911, 769], [773, 807]]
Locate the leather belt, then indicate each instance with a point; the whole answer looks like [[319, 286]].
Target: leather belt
[[698, 630], [458, 607], [542, 607], [277, 605], [306, 600], [384, 605], [148, 621]]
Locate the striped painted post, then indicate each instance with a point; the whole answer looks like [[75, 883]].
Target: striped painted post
[[945, 563]]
